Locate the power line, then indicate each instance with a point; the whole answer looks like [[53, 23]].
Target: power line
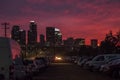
[[5, 27]]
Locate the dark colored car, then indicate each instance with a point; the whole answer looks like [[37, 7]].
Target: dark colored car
[[114, 70]]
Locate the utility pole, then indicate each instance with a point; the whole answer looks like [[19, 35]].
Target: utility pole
[[5, 27]]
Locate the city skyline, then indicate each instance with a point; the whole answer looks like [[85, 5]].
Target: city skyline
[[87, 19]]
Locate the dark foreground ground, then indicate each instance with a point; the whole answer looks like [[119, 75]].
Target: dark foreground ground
[[68, 71]]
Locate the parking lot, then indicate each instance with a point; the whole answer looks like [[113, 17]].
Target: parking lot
[[69, 71]]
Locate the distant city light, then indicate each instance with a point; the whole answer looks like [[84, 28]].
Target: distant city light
[[59, 33], [98, 44], [56, 29], [32, 21], [21, 30]]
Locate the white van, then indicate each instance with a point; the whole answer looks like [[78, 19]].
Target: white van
[[9, 53]]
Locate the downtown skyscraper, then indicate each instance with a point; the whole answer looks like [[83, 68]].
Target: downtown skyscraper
[[32, 33], [42, 40], [53, 36], [15, 33], [19, 35]]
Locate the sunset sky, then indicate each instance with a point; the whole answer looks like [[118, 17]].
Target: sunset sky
[[75, 18]]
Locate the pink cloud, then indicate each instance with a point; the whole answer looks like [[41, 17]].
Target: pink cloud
[[77, 18]]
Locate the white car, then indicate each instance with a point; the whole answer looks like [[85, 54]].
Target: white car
[[99, 60]]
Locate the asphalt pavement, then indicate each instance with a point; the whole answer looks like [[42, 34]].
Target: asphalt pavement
[[69, 71]]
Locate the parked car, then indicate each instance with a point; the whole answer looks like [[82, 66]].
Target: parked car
[[41, 62], [99, 60], [19, 70], [81, 62], [105, 68], [31, 67], [112, 68]]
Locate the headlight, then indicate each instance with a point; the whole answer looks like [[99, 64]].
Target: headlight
[[58, 58]]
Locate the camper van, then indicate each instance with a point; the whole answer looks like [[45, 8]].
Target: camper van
[[10, 60]]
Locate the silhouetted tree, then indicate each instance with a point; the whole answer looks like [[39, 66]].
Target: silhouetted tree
[[109, 44], [118, 42], [118, 37]]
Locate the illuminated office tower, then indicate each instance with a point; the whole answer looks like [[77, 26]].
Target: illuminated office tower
[[53, 36]]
